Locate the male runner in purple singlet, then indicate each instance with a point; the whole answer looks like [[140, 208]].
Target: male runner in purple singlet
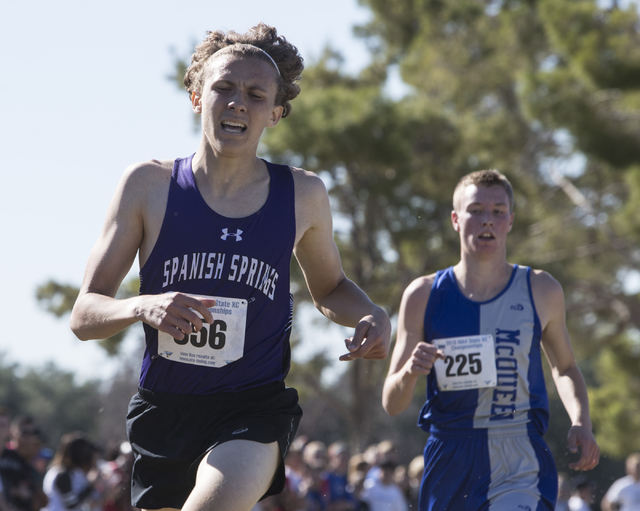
[[214, 234]]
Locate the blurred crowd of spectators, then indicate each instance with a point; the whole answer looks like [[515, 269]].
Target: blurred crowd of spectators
[[77, 476], [331, 478], [80, 476]]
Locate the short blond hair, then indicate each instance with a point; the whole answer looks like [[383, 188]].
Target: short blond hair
[[489, 177]]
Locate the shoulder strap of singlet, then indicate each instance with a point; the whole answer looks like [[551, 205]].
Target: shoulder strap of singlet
[[182, 173], [282, 187], [441, 276], [278, 172]]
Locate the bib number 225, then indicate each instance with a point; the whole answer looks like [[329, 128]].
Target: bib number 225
[[458, 366]]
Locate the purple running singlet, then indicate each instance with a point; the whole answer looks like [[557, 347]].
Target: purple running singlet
[[242, 262]]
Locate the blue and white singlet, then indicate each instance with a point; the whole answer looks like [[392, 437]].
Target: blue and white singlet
[[520, 396], [486, 451], [245, 264]]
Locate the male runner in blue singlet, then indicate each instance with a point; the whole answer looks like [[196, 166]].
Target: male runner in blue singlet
[[214, 234], [477, 330]]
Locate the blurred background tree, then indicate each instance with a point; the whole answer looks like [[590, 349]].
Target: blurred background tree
[[57, 402]]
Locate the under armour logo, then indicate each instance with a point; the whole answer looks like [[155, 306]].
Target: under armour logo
[[517, 307], [226, 234]]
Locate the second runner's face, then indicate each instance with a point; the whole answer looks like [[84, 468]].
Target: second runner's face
[[237, 102], [484, 220]]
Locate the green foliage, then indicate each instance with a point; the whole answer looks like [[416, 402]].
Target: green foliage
[[591, 79], [534, 89], [603, 46], [614, 403], [58, 403], [57, 298], [10, 393], [52, 396], [362, 143]]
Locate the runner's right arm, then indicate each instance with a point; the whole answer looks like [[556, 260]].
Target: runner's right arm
[[412, 357], [97, 314]]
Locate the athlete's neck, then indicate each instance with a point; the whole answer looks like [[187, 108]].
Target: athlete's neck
[[225, 175], [482, 280]]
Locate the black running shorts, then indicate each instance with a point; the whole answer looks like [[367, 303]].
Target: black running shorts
[[171, 433]]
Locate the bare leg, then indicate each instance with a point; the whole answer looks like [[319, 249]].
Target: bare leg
[[233, 476]]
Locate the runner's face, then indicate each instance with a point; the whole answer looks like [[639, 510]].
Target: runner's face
[[483, 220], [237, 102]]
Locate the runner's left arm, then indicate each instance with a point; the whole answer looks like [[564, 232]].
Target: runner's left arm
[[337, 297], [572, 389]]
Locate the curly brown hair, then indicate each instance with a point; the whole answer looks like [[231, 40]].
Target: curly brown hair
[[261, 37]]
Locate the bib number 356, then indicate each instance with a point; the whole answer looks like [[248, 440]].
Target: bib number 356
[[216, 344], [213, 335]]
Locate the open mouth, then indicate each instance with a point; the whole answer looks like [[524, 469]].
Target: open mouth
[[233, 127], [486, 236]]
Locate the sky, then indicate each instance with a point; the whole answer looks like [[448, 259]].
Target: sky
[[83, 94]]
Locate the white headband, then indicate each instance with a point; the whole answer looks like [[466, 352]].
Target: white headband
[[268, 56]]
